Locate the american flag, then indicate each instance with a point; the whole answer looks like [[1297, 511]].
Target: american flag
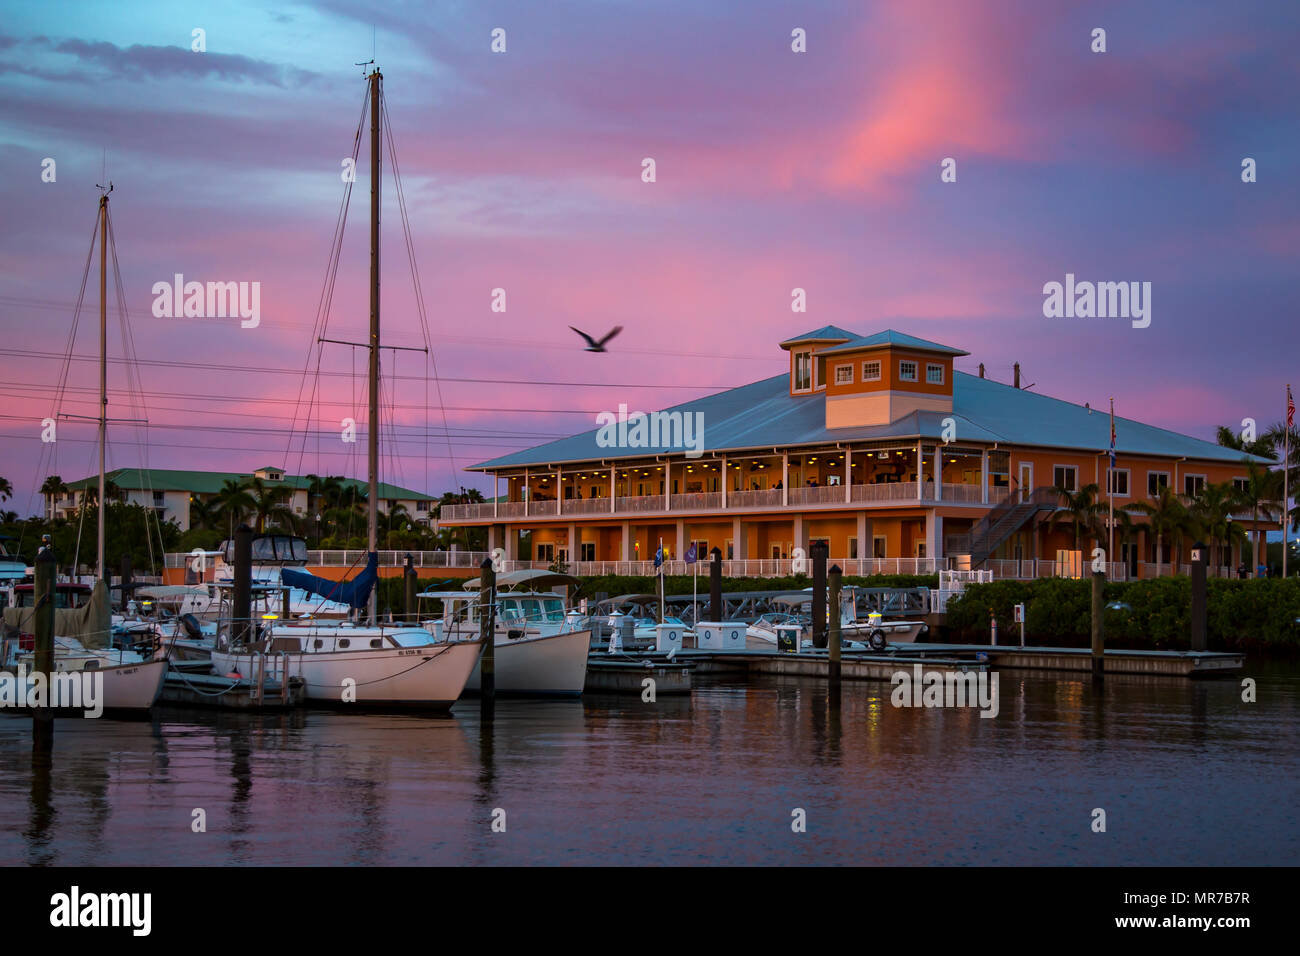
[[1290, 409], [1112, 433]]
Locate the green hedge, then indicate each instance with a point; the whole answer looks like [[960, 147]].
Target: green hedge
[[1242, 615]]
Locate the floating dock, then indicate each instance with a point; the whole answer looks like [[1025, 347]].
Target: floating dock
[[196, 687], [1115, 661], [627, 675]]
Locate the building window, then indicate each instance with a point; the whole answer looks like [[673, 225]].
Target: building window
[[802, 371], [157, 499], [844, 375], [1065, 476], [934, 374], [545, 552], [422, 506], [1156, 480], [821, 372], [1119, 482], [871, 371], [853, 548], [1193, 485], [907, 371], [1241, 485], [588, 550]]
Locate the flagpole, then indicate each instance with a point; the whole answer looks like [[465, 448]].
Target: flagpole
[[1110, 487]]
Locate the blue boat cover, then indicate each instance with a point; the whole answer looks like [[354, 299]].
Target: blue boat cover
[[355, 592]]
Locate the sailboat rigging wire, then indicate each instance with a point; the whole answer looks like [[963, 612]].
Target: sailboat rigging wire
[[419, 289], [326, 299]]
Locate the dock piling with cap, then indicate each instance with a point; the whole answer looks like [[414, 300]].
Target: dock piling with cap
[[1098, 626], [835, 577], [487, 633]]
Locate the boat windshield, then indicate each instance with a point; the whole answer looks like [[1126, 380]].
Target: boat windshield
[[532, 610]]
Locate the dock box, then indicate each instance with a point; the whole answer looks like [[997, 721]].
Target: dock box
[[668, 637], [726, 636], [787, 638]]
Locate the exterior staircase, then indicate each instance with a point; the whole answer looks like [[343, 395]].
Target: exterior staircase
[[1006, 519]]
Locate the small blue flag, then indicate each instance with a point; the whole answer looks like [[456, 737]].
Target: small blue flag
[[690, 554], [659, 557]]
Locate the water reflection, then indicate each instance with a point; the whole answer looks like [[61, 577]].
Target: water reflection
[[1188, 773]]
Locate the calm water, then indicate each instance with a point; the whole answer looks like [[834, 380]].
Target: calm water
[[1187, 773]]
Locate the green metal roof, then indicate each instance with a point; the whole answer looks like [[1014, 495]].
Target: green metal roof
[[210, 482]]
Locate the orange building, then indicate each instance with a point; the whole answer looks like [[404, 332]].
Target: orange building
[[873, 444]]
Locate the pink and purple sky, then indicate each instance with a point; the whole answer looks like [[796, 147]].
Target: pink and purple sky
[[522, 171]]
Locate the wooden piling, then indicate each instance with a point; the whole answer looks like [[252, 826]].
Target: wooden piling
[[1098, 626], [43, 659], [1198, 612], [487, 600], [833, 667], [241, 610], [819, 556], [715, 587], [408, 590]]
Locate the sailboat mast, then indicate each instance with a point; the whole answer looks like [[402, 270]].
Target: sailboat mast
[[103, 375], [372, 510]]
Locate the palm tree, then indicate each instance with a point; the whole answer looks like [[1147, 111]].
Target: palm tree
[[6, 489], [52, 488], [269, 502], [1280, 439], [203, 514], [1262, 495], [1262, 445], [1211, 515], [1166, 518], [233, 502], [1082, 511]]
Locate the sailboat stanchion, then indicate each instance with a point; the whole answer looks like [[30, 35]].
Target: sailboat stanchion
[[835, 578], [43, 595], [487, 633]]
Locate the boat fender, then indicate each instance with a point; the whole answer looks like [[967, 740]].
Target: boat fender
[[878, 640]]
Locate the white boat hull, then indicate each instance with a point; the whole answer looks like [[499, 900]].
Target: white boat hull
[[132, 688], [554, 665], [429, 677]]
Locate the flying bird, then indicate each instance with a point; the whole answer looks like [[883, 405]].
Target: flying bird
[[592, 344]]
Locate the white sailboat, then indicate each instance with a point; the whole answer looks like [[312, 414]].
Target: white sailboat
[[344, 662], [131, 682]]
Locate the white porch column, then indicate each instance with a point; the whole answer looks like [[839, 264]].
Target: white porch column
[[785, 480], [848, 475], [573, 543], [681, 541], [938, 472], [496, 492], [984, 476], [668, 485], [494, 537], [801, 534], [559, 491], [933, 536], [920, 473], [613, 499], [739, 546], [725, 476], [511, 543], [627, 541]]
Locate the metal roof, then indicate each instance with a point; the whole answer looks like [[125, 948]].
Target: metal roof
[[210, 482], [764, 415], [887, 338], [827, 333]]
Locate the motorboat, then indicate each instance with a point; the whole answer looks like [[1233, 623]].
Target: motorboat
[[539, 650]]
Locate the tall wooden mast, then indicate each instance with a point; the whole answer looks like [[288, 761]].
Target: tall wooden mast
[[372, 509]]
